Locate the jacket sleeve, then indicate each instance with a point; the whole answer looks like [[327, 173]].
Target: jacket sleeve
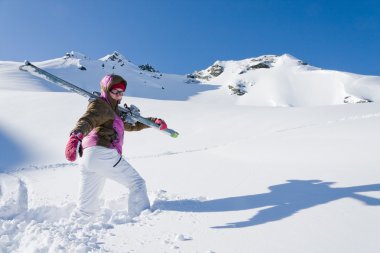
[[97, 113], [137, 127]]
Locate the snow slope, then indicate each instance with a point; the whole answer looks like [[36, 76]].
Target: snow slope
[[153, 85], [291, 177], [286, 81]]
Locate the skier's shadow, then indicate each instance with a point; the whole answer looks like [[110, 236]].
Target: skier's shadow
[[11, 153], [282, 201]]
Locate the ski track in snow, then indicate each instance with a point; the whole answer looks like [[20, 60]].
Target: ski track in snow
[[46, 166], [169, 153], [356, 117]]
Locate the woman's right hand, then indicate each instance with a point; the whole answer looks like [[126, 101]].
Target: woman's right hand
[[74, 146], [161, 123]]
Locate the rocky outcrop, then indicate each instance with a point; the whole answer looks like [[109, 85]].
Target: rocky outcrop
[[211, 72], [239, 89], [355, 100], [148, 67]]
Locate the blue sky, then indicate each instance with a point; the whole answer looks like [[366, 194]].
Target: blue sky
[[179, 36]]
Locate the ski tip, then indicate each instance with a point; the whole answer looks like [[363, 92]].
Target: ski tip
[[26, 62], [174, 134]]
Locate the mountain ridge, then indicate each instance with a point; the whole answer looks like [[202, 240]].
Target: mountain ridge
[[267, 80]]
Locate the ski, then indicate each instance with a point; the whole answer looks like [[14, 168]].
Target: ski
[[125, 111]]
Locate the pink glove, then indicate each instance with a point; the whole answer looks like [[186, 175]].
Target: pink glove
[[161, 123], [73, 146]]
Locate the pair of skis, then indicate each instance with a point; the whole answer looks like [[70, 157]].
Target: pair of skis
[[125, 111]]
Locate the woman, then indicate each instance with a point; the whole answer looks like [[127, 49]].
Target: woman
[[99, 135]]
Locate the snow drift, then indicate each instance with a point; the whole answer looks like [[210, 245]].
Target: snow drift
[[13, 196]]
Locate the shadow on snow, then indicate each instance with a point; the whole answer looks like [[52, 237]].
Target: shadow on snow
[[10, 152], [282, 201]]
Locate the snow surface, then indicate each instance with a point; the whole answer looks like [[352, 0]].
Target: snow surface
[[286, 167]]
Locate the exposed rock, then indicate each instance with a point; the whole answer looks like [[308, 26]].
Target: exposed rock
[[149, 68], [239, 88], [199, 75], [191, 76], [81, 67], [355, 100], [75, 55], [302, 63], [269, 59], [263, 62], [215, 70], [114, 56], [211, 72], [68, 55], [192, 80], [261, 65]]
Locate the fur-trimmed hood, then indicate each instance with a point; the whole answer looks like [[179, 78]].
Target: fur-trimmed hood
[[105, 87]]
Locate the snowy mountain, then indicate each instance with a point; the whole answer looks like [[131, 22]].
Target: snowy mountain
[[269, 80], [79, 69], [287, 81], [271, 157]]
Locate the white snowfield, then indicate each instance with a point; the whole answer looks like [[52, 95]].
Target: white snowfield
[[276, 157]]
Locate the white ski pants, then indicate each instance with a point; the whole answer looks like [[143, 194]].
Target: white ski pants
[[99, 163]]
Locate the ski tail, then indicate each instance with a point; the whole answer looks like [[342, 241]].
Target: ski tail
[[38, 72]]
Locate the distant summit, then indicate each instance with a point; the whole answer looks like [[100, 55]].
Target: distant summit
[[262, 62], [284, 80], [114, 57], [75, 55]]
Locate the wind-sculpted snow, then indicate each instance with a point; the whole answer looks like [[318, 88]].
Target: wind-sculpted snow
[[50, 229], [13, 196]]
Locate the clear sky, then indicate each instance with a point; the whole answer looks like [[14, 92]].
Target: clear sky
[[181, 36]]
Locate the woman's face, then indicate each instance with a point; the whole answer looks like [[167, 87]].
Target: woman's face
[[117, 94]]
